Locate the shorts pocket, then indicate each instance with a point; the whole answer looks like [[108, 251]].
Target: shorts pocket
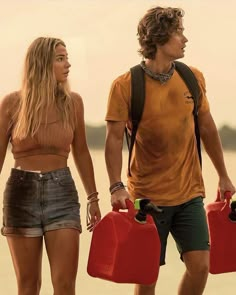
[[66, 181], [14, 180]]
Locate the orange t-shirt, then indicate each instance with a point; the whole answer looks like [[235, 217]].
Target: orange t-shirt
[[165, 165]]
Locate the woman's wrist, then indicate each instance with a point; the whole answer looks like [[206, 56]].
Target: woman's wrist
[[93, 197]]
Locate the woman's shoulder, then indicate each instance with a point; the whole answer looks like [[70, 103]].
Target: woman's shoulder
[[11, 97], [75, 96], [77, 102], [10, 101]]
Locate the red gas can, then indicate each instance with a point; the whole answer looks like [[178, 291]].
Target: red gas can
[[222, 236], [123, 250]]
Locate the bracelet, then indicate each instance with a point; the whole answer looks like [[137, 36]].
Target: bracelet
[[91, 195], [118, 183], [117, 189], [116, 186], [93, 199]]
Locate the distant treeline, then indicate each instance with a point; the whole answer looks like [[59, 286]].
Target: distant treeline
[[96, 137], [228, 137]]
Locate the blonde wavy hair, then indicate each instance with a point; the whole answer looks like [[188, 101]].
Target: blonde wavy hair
[[40, 89]]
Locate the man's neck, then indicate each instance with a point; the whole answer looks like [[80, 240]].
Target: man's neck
[[157, 66]]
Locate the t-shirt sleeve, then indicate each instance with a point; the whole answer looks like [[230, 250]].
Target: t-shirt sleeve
[[203, 104], [118, 102]]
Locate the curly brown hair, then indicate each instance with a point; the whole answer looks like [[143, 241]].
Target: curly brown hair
[[156, 27]]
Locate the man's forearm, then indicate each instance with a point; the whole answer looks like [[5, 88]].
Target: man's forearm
[[213, 147], [113, 156]]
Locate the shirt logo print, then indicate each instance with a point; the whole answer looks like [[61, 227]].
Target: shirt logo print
[[188, 97]]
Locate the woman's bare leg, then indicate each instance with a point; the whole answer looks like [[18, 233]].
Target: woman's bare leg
[[63, 252], [26, 255]]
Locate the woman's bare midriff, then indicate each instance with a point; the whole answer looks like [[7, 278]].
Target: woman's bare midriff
[[41, 163]]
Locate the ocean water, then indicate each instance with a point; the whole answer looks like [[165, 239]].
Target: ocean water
[[170, 274]]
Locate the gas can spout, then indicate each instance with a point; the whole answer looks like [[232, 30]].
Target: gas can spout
[[232, 214], [144, 207]]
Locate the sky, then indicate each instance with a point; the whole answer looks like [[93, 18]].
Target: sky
[[102, 44]]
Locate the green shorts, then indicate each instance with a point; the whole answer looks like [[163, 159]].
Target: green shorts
[[188, 225]]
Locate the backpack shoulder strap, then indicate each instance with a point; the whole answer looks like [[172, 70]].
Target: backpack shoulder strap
[[191, 82], [137, 105]]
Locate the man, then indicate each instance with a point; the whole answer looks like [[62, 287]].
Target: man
[[165, 166]]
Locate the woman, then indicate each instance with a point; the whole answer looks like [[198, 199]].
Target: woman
[[43, 121]]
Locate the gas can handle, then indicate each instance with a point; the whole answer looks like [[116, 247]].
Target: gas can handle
[[227, 199], [130, 207], [227, 196]]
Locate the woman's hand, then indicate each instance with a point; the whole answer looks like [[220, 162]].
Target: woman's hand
[[93, 214]]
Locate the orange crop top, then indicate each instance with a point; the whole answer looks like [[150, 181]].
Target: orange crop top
[[51, 138]]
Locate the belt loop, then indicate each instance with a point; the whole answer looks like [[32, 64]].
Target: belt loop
[[54, 176], [23, 175], [40, 176]]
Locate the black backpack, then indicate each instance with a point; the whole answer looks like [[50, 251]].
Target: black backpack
[[138, 99]]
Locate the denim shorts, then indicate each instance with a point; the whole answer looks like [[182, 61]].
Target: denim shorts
[[187, 224], [35, 203]]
